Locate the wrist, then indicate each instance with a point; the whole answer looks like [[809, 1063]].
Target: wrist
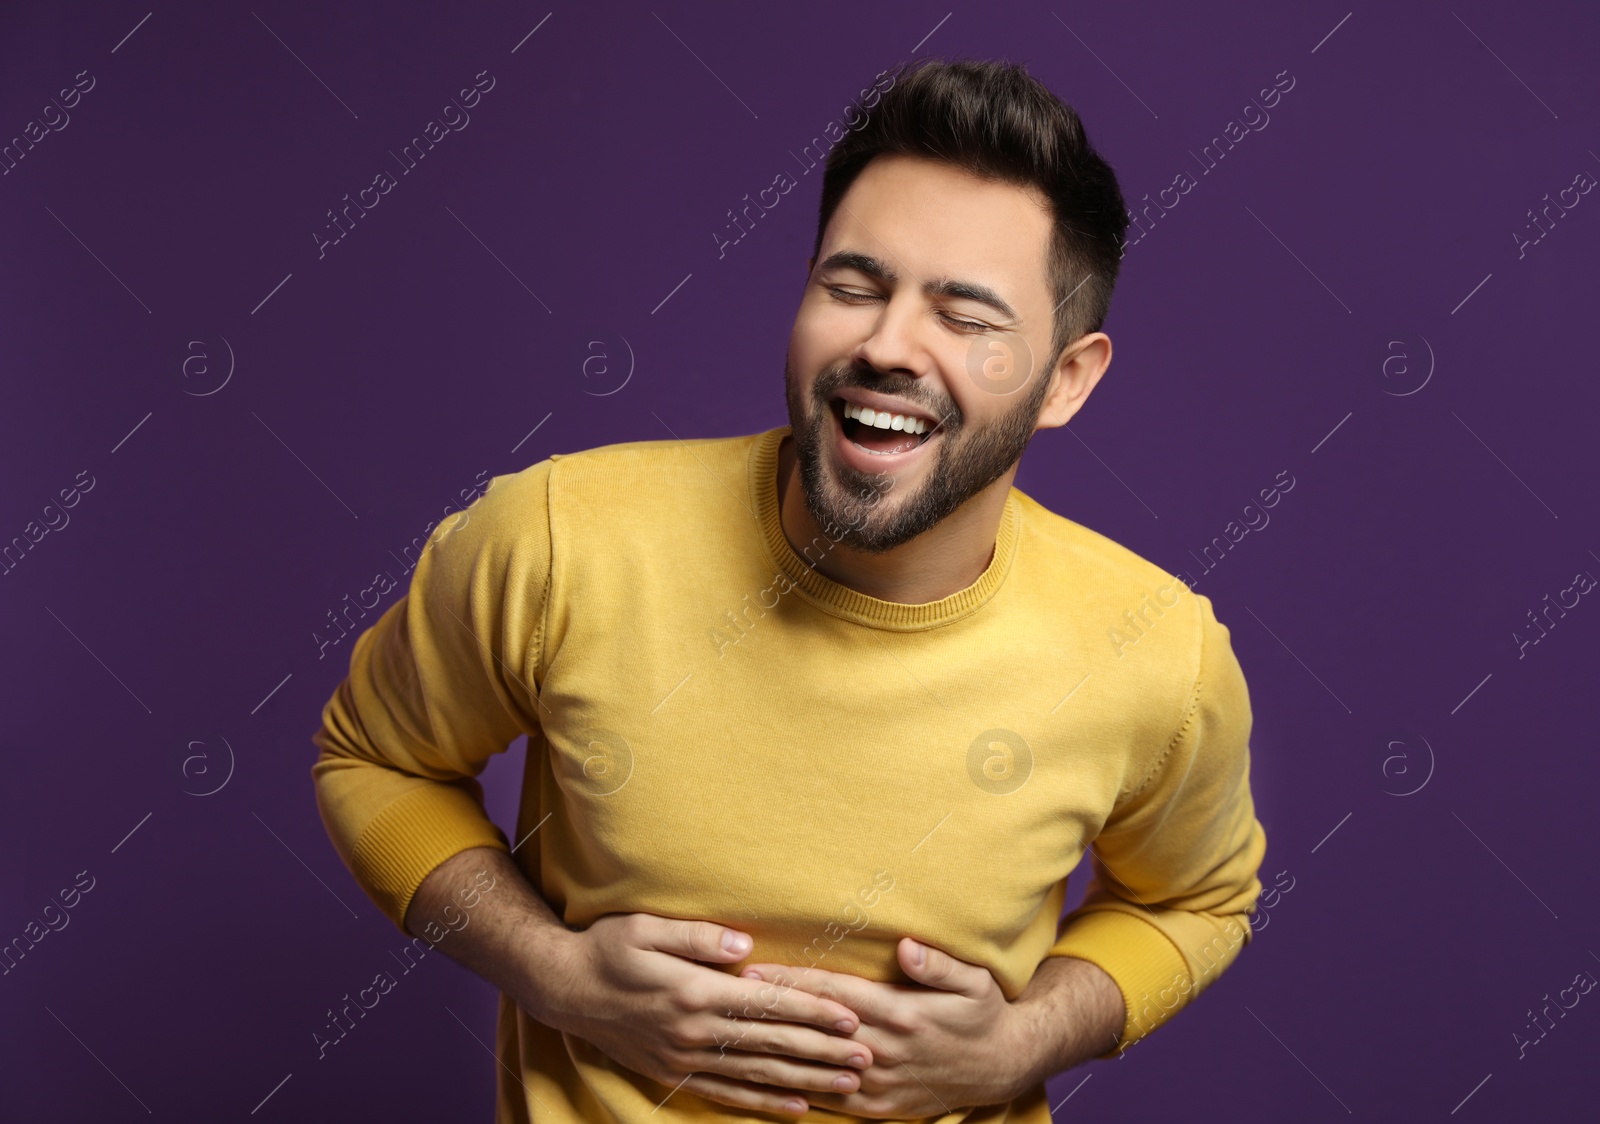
[[1070, 1013], [1028, 1045], [550, 990]]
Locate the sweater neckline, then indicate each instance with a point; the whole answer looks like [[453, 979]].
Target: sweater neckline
[[840, 600]]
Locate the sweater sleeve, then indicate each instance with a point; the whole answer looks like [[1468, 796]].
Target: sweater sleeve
[[439, 683], [1175, 865]]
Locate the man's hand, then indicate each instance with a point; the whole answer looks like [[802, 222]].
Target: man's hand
[[632, 990], [629, 984], [949, 1041]]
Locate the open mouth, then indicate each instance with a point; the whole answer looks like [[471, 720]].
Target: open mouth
[[879, 433]]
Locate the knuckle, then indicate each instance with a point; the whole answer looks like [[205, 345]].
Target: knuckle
[[678, 1035], [827, 1015], [722, 1093], [772, 1043], [666, 1067], [908, 1024], [797, 1006], [760, 1073], [689, 996], [675, 932], [706, 938], [711, 1090]]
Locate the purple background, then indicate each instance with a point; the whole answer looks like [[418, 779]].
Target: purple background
[[1374, 615]]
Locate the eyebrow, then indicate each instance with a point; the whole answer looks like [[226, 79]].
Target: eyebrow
[[934, 286]]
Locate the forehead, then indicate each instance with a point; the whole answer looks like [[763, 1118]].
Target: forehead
[[926, 218]]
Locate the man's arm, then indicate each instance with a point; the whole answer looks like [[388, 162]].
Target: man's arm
[[436, 687], [956, 1041], [1072, 1011], [510, 936], [1175, 866], [628, 985]]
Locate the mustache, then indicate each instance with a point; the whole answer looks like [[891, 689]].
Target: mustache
[[862, 377]]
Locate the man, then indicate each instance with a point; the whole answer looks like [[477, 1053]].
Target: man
[[820, 719]]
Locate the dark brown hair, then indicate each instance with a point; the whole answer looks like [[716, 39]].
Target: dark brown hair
[[996, 121]]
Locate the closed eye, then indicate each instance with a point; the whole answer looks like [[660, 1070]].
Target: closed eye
[[850, 296]]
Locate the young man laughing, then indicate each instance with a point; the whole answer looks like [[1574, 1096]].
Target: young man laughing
[[808, 855]]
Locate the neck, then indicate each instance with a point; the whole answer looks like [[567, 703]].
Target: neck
[[941, 561]]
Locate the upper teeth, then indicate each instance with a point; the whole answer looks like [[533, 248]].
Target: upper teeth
[[882, 419]]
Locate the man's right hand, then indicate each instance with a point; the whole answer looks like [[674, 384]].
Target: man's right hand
[[630, 986]]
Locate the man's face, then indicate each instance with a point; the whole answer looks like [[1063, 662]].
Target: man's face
[[897, 317]]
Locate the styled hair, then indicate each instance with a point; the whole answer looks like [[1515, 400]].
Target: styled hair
[[996, 121]]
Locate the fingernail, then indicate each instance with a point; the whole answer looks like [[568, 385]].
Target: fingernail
[[845, 1025], [752, 974], [858, 1060], [794, 1106], [843, 1083], [735, 942], [919, 955]]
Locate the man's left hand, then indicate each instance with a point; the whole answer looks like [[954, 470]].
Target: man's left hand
[[951, 1040]]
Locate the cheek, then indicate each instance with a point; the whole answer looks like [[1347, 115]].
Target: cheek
[[819, 340], [827, 329], [809, 337], [969, 410]]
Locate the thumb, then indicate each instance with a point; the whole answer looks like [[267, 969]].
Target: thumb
[[694, 940], [933, 968]]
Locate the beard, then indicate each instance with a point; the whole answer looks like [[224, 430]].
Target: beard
[[966, 461]]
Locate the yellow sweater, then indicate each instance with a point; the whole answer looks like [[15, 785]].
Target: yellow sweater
[[718, 731]]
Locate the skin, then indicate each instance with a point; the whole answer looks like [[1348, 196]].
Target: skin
[[950, 1039], [924, 219], [926, 532], [656, 995], [659, 995]]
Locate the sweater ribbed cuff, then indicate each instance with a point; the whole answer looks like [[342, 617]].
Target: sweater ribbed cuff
[[1148, 968], [412, 836]]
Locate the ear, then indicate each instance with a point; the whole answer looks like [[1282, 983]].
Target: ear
[[1077, 373]]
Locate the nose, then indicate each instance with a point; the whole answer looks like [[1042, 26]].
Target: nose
[[896, 342]]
